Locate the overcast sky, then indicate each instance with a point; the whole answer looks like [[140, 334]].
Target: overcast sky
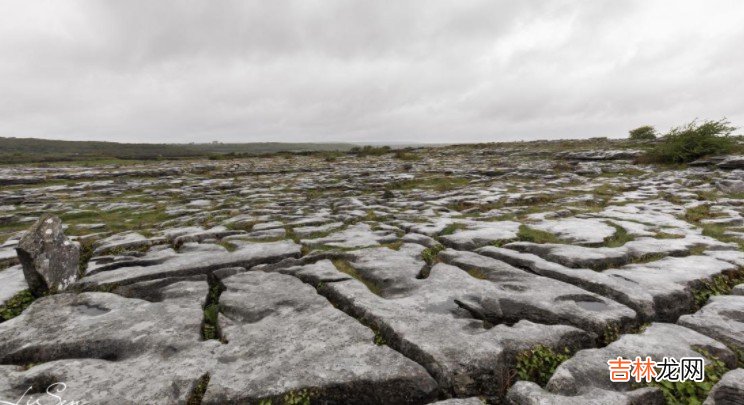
[[385, 71]]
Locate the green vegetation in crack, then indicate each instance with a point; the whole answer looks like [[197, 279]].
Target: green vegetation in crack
[[290, 234], [477, 273], [210, 328], [527, 234], [440, 184], [707, 195], [15, 305], [86, 253], [393, 245], [452, 228], [123, 219], [300, 397], [197, 393], [719, 232], [720, 284], [697, 213], [692, 392], [346, 268], [539, 363], [619, 238], [610, 334], [606, 191], [430, 255], [665, 235], [231, 247], [379, 340]]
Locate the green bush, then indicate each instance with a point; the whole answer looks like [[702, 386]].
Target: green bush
[[693, 141], [644, 133]]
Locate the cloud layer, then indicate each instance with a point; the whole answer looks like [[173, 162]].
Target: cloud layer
[[398, 71]]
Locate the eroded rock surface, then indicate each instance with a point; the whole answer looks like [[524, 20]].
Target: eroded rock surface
[[413, 277], [283, 337], [433, 323], [107, 348]]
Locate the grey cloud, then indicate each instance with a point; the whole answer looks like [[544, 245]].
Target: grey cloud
[[419, 71]]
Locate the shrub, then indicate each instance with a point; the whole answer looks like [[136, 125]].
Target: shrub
[[693, 141], [644, 133]]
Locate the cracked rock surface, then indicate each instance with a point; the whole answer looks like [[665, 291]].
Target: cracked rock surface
[[433, 275]]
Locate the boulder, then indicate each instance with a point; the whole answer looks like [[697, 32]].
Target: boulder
[[49, 259]]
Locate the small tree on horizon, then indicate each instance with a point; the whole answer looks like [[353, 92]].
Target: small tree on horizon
[[644, 133]]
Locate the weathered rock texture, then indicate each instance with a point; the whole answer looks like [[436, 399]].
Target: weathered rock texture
[[431, 274], [49, 259]]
